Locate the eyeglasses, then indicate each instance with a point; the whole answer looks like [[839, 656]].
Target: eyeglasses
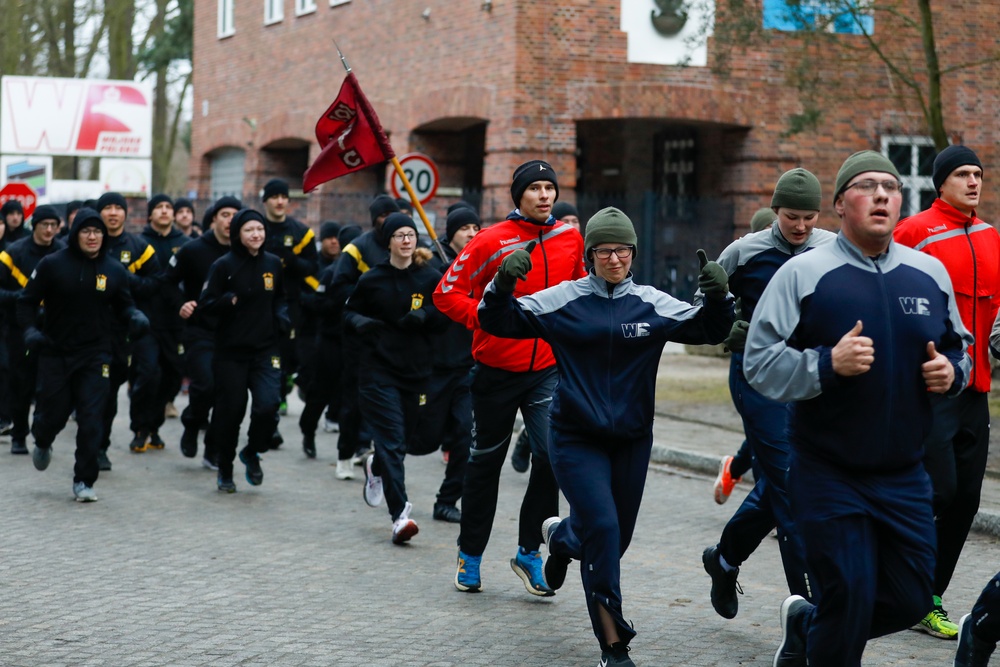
[[91, 231], [404, 237], [621, 252], [868, 187]]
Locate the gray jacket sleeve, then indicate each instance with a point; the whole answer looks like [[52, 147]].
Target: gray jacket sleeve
[[995, 338]]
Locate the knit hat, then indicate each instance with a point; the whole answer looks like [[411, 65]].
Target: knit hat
[[183, 202], [224, 202], [11, 206], [859, 163], [382, 205], [798, 189], [459, 218], [762, 219], [347, 234], [404, 204], [528, 173], [74, 205], [273, 188], [45, 212], [155, 201], [328, 230], [461, 203], [949, 160], [562, 209], [609, 225], [109, 198], [394, 223]]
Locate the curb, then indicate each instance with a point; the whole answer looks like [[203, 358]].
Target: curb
[[986, 522]]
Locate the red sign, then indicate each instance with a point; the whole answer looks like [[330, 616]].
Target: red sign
[[21, 192], [422, 174]]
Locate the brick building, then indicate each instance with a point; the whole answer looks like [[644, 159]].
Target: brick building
[[593, 86]]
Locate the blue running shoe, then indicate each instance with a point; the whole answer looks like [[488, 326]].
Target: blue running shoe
[[528, 566], [255, 474], [467, 578]]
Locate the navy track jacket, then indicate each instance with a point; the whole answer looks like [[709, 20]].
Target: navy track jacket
[[607, 340], [875, 421]]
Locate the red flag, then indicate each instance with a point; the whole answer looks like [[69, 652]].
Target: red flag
[[351, 137]]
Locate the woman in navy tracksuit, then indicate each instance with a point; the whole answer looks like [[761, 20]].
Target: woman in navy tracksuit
[[244, 293], [607, 334]]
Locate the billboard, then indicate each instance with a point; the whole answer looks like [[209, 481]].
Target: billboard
[[53, 116]]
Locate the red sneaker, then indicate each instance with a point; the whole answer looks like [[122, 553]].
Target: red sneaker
[[724, 483]]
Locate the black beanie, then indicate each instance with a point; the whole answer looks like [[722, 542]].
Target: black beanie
[[109, 198], [948, 161], [328, 230], [394, 223], [382, 205], [74, 205], [11, 206], [155, 201], [528, 173], [562, 209], [274, 187], [347, 234], [459, 218], [461, 203], [183, 202], [45, 212], [225, 202], [404, 203]]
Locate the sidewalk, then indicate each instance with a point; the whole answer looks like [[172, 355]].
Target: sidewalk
[[697, 425]]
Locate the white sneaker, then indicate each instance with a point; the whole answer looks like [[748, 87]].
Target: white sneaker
[[210, 464], [345, 470], [330, 426], [373, 484], [360, 457], [404, 528], [83, 493]]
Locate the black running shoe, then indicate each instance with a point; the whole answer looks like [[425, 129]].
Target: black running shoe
[[18, 446], [309, 444], [225, 484], [103, 462], [140, 442], [447, 513], [724, 584], [156, 442], [616, 655], [520, 459], [792, 650], [255, 475], [189, 442], [555, 566], [276, 439]]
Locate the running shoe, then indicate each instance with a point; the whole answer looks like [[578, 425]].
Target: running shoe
[[372, 490], [103, 462], [555, 566], [528, 566], [792, 649], [724, 483], [83, 493], [255, 474], [616, 655], [345, 470], [404, 528], [309, 445], [156, 442], [467, 577], [937, 623], [972, 651], [447, 513], [41, 457], [209, 464], [18, 446], [330, 426], [139, 443], [724, 584], [520, 459], [225, 484], [189, 442]]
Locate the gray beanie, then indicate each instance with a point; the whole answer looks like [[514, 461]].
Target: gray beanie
[[798, 189], [609, 225], [762, 219], [859, 163]]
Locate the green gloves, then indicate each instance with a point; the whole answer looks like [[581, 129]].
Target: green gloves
[[514, 267], [736, 341], [712, 280]]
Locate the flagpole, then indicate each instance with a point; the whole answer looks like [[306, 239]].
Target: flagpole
[[406, 182]]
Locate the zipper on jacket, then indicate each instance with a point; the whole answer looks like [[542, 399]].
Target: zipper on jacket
[[609, 392], [975, 299], [891, 337]]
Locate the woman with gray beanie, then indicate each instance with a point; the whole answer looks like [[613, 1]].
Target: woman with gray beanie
[[607, 334]]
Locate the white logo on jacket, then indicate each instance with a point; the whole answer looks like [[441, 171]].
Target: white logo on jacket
[[635, 329], [914, 305]]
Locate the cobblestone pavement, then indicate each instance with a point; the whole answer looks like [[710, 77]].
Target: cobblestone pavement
[[165, 570]]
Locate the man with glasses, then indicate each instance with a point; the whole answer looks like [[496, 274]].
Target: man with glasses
[[955, 450], [17, 263], [87, 300], [857, 334], [750, 262], [510, 374]]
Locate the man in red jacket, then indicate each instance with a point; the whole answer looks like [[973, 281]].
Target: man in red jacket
[[956, 448], [510, 374]]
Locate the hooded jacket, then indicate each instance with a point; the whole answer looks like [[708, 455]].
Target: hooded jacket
[[260, 315], [17, 263], [87, 300]]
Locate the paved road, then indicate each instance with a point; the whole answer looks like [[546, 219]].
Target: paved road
[[164, 570]]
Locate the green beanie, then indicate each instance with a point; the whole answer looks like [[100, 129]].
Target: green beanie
[[859, 163], [609, 225], [762, 219], [797, 189]]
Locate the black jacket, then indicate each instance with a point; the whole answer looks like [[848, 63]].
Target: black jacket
[[185, 278], [260, 315], [163, 316], [395, 352], [87, 301], [17, 263], [295, 244], [139, 257]]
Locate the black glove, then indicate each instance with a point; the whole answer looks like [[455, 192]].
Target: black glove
[[514, 267], [34, 339], [368, 325], [412, 320], [712, 279], [736, 341], [138, 325]]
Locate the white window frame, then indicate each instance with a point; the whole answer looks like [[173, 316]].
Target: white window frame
[[913, 183], [274, 11], [303, 7], [334, 3], [226, 24]]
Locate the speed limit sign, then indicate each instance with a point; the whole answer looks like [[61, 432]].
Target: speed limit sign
[[422, 173]]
